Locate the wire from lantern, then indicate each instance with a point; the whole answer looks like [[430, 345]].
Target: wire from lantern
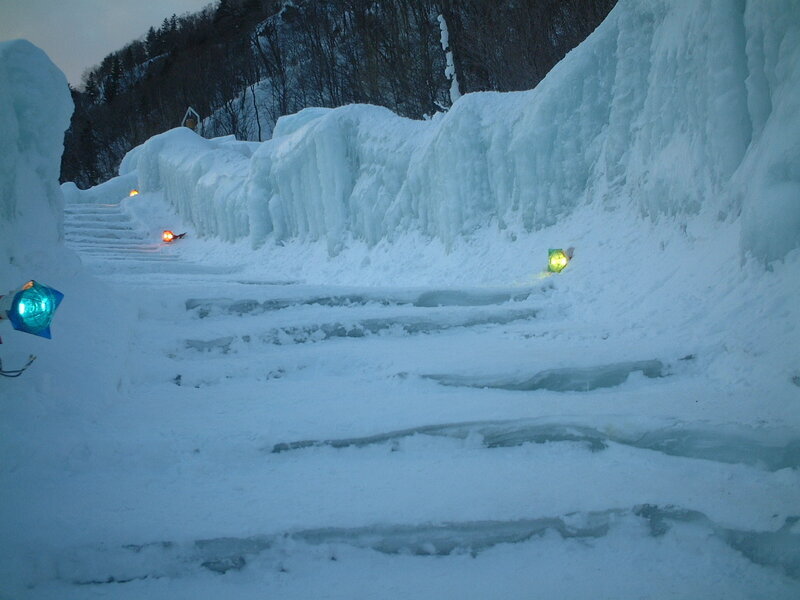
[[16, 372]]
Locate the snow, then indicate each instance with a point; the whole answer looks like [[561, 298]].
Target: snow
[[35, 108], [203, 178], [769, 176], [353, 378], [450, 67], [239, 115]]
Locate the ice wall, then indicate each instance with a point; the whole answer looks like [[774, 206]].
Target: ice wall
[[767, 184], [35, 109], [203, 179], [671, 109]]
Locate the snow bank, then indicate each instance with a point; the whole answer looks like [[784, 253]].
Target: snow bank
[[670, 109], [116, 188], [35, 109], [52, 408]]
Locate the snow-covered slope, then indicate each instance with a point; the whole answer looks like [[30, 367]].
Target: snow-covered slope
[[669, 109]]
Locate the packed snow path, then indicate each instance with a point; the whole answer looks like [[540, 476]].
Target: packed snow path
[[308, 442]]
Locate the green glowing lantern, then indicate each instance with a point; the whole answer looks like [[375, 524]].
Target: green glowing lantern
[[32, 307], [557, 259]]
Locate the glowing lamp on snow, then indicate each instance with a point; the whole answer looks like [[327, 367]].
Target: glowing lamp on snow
[[557, 259], [31, 308], [133, 193], [170, 236]]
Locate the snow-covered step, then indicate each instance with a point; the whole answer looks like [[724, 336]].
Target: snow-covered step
[[130, 255], [91, 227], [570, 379], [78, 220], [765, 448], [128, 261], [778, 549], [205, 307], [92, 209], [116, 248], [171, 271], [392, 326], [81, 235], [90, 243]]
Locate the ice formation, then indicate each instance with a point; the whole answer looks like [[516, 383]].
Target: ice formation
[[668, 108], [35, 108]]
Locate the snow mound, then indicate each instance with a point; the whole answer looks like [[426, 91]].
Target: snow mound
[[35, 109]]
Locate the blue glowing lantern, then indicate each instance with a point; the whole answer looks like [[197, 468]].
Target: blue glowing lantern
[[32, 308]]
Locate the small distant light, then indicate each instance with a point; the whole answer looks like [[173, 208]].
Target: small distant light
[[557, 259], [133, 193]]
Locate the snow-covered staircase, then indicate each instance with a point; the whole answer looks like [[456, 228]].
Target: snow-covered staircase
[[103, 234], [110, 243], [286, 439]]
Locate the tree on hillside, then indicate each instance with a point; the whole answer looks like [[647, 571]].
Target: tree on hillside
[[246, 63], [90, 88], [152, 43], [112, 83]]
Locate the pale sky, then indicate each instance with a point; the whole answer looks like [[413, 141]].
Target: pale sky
[[77, 34]]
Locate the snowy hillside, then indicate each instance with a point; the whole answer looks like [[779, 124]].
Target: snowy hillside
[[353, 379]]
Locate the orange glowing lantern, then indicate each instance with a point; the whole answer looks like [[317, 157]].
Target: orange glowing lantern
[[169, 236], [133, 193]]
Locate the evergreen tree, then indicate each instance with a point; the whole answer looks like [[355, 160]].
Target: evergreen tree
[[152, 43], [90, 88], [112, 83]]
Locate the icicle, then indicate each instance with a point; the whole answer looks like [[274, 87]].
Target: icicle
[[450, 68]]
